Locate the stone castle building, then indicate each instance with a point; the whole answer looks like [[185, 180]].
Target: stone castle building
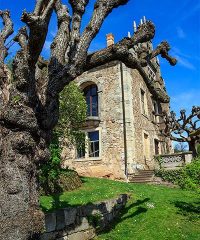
[[122, 131]]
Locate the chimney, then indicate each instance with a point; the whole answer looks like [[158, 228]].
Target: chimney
[[110, 39]]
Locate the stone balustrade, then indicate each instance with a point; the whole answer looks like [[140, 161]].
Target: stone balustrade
[[174, 160], [82, 222]]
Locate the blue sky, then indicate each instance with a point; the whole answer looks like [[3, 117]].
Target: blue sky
[[177, 21]]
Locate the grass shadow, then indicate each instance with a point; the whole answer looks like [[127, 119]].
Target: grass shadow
[[123, 215], [191, 210]]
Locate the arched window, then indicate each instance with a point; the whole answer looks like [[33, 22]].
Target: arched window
[[91, 96]]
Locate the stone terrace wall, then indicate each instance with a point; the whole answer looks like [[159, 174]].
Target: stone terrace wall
[[175, 160], [82, 222]]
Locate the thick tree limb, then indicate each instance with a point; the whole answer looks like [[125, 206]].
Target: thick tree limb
[[4, 34], [8, 25], [101, 10], [120, 50], [162, 49], [78, 8], [22, 38], [61, 41], [38, 22]]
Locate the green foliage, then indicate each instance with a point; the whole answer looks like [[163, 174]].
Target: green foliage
[[169, 175], [72, 114], [187, 177], [174, 215], [50, 171], [191, 176], [159, 160]]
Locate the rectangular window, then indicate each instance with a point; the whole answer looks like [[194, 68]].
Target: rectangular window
[[87, 146], [151, 73], [93, 144], [143, 101]]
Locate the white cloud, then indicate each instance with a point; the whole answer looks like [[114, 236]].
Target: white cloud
[[181, 34], [185, 100], [184, 62]]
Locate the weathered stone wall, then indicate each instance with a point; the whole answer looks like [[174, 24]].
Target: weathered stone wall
[[144, 123], [111, 161], [82, 222]]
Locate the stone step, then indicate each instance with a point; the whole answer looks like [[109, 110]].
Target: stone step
[[139, 176], [140, 181], [142, 176]]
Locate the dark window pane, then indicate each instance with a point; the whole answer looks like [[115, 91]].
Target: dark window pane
[[91, 95], [93, 144], [93, 136]]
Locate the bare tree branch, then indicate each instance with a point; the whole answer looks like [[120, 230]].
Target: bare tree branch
[[78, 8], [101, 10], [4, 34], [162, 49], [38, 22], [61, 41], [180, 125]]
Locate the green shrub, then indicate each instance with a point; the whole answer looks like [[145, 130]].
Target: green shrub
[[187, 177], [169, 175], [191, 176], [52, 177]]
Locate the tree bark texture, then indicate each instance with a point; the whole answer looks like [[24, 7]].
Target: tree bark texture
[[29, 106]]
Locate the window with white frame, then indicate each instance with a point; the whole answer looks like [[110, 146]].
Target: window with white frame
[[151, 73], [90, 146]]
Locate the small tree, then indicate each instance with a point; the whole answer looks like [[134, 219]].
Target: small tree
[[73, 110], [185, 128]]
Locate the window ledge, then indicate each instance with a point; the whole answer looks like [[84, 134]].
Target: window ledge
[[92, 118], [87, 159]]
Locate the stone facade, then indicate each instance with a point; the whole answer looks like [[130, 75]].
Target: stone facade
[[129, 133]]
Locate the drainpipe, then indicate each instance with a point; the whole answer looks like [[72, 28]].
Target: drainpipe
[[124, 120]]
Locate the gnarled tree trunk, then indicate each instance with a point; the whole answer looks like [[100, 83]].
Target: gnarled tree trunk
[[192, 148]]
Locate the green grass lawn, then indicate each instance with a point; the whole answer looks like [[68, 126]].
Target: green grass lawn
[[152, 213]]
